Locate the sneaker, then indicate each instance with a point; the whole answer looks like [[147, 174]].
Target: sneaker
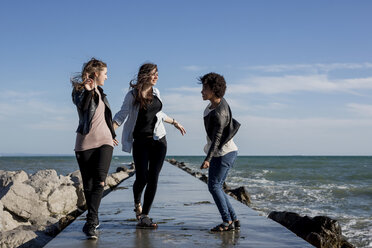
[[90, 230]]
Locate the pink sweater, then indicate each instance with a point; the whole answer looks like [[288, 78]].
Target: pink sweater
[[99, 134]]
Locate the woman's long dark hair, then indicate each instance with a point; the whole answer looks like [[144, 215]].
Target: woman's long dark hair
[[89, 70], [143, 78]]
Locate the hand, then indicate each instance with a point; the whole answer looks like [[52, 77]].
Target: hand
[[116, 142], [205, 165], [89, 84], [180, 127], [115, 125]]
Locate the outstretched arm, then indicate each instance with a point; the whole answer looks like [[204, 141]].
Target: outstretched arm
[[176, 124]]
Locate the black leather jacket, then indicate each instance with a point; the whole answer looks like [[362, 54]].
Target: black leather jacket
[[220, 127], [86, 103]]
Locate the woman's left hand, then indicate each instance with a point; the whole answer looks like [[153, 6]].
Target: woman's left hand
[[116, 142], [180, 127]]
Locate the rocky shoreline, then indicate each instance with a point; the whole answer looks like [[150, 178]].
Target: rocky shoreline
[[320, 231], [35, 208]]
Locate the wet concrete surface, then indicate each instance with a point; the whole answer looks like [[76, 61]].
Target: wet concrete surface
[[184, 211]]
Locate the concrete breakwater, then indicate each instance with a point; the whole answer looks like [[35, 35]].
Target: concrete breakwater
[[320, 231], [35, 208]]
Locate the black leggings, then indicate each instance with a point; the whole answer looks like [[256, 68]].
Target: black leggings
[[148, 156], [94, 165]]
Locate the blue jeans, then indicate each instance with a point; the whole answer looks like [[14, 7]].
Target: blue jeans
[[218, 170]]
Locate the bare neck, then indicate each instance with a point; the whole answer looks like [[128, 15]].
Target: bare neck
[[214, 102]]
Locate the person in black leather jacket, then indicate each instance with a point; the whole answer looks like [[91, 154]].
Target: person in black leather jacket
[[220, 148], [86, 102], [95, 136]]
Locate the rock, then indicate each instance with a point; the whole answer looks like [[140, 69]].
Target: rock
[[62, 200], [114, 180], [172, 161], [110, 182], [78, 183], [204, 178], [126, 168], [240, 194], [122, 168], [22, 200], [7, 221], [196, 174], [43, 195], [23, 236], [119, 176], [32, 207], [46, 181], [1, 217], [132, 166], [58, 191], [16, 237], [226, 187], [320, 231], [7, 177]]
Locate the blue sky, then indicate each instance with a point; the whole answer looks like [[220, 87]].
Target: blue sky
[[299, 73]]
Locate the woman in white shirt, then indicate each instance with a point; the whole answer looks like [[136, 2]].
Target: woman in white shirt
[[144, 131]]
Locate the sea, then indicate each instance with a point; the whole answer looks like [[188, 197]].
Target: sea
[[339, 187]]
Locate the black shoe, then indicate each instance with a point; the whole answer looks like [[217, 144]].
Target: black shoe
[[224, 227], [90, 230], [236, 224]]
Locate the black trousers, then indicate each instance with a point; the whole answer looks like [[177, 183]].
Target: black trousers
[[148, 156], [94, 165]]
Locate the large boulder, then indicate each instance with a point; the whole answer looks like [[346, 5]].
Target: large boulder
[[113, 180], [241, 194], [58, 191], [46, 181], [7, 221], [172, 161], [62, 200], [16, 237], [23, 236], [11, 177], [44, 194], [320, 231], [22, 200], [32, 207], [78, 183]]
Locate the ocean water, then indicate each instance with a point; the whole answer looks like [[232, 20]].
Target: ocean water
[[335, 186]]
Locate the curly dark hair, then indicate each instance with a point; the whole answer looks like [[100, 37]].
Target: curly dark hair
[[216, 83]]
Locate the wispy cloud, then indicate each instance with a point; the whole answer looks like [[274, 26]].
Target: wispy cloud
[[194, 68], [310, 135], [309, 67], [291, 83], [179, 103], [20, 94], [310, 123], [29, 109], [361, 109], [186, 90]]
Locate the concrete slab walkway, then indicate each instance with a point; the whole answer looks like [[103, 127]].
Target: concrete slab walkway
[[185, 212]]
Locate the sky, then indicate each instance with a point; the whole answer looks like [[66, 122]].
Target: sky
[[298, 73]]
